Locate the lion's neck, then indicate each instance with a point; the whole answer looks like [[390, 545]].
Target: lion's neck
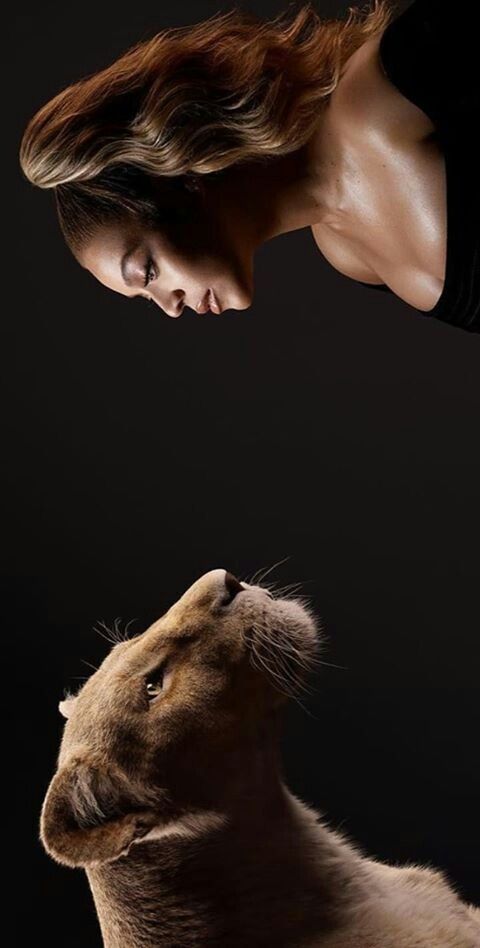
[[270, 875]]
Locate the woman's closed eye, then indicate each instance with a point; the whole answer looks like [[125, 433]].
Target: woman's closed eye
[[150, 272]]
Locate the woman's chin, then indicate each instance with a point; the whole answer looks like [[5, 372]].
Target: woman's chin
[[236, 294], [241, 300], [233, 302]]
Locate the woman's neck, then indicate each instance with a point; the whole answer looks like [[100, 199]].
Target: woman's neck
[[268, 873]]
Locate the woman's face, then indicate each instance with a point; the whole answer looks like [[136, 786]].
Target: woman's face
[[203, 260]]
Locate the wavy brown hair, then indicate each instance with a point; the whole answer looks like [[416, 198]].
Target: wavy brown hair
[[190, 101]]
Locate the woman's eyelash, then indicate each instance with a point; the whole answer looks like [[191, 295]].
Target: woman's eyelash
[[150, 272]]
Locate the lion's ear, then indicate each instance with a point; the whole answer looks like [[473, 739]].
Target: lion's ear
[[91, 816]]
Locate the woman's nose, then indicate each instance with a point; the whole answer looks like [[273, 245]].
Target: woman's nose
[[174, 304]]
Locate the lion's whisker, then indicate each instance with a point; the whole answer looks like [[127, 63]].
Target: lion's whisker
[[270, 569], [284, 672]]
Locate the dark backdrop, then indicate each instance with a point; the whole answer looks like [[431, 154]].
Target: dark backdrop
[[329, 424]]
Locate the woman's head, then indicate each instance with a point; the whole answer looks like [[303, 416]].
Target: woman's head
[[160, 238], [126, 149]]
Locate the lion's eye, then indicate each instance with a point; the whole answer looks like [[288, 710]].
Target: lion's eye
[[155, 683]]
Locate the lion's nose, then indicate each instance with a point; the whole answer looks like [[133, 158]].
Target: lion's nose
[[233, 586]]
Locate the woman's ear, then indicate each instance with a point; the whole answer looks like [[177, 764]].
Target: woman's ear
[[90, 814]]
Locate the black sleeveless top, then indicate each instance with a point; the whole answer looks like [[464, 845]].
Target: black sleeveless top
[[430, 53]]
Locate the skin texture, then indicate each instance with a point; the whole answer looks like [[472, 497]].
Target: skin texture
[[370, 184], [169, 792], [388, 196]]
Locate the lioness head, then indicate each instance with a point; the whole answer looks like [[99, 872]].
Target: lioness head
[[153, 735]]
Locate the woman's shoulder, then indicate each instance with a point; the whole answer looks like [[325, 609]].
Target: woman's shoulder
[[429, 52], [385, 139], [369, 107]]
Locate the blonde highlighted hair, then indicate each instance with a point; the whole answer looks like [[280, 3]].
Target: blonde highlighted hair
[[192, 101]]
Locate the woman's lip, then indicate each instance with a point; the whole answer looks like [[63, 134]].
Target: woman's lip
[[214, 304], [209, 302]]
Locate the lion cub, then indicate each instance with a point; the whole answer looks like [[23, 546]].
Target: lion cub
[[169, 792]]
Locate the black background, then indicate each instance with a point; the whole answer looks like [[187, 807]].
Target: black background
[[328, 424]]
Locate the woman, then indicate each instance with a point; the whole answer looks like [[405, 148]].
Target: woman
[[174, 164]]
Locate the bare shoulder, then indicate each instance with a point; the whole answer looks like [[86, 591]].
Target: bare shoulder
[[369, 104], [389, 188]]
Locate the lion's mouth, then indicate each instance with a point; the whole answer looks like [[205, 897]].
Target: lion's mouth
[[282, 644]]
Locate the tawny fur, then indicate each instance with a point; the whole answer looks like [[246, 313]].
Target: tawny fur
[[176, 805]]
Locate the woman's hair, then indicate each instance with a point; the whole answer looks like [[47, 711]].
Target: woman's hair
[[190, 101]]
